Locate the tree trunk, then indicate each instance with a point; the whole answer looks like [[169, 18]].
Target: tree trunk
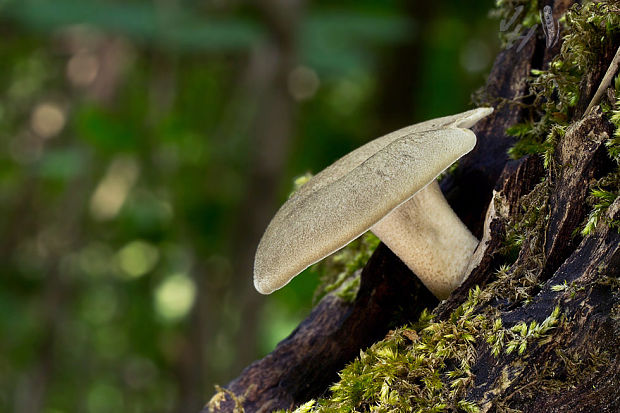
[[571, 361]]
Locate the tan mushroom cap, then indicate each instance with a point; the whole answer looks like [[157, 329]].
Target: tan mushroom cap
[[347, 198]]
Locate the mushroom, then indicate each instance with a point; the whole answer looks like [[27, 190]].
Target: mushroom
[[388, 186]]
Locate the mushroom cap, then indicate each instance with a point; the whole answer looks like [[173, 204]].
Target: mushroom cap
[[347, 198]]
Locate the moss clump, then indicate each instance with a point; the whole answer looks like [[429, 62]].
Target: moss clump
[[572, 288], [589, 29], [340, 272], [601, 199], [518, 336], [426, 367]]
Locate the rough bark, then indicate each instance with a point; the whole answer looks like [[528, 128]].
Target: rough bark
[[579, 369]]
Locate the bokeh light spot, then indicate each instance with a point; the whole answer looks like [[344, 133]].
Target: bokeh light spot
[[47, 120], [100, 305], [82, 69], [137, 258], [112, 191], [475, 56], [104, 398], [175, 297]]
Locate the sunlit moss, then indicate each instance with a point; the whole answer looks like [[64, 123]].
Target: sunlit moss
[[427, 367], [517, 337]]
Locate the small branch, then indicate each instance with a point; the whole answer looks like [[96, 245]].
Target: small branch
[[606, 82]]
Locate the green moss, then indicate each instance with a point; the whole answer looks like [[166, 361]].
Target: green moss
[[221, 396], [517, 337], [426, 367], [572, 288], [601, 199], [588, 30], [536, 138], [340, 272]]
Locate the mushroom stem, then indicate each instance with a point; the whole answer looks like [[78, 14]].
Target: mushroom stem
[[430, 239]]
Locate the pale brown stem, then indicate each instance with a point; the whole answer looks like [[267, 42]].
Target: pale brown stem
[[430, 239]]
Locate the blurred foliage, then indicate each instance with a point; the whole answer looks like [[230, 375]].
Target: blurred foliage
[[126, 144]]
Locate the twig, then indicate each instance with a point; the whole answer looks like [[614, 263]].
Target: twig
[[611, 71]]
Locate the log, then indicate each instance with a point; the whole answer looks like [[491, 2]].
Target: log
[[578, 368]]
